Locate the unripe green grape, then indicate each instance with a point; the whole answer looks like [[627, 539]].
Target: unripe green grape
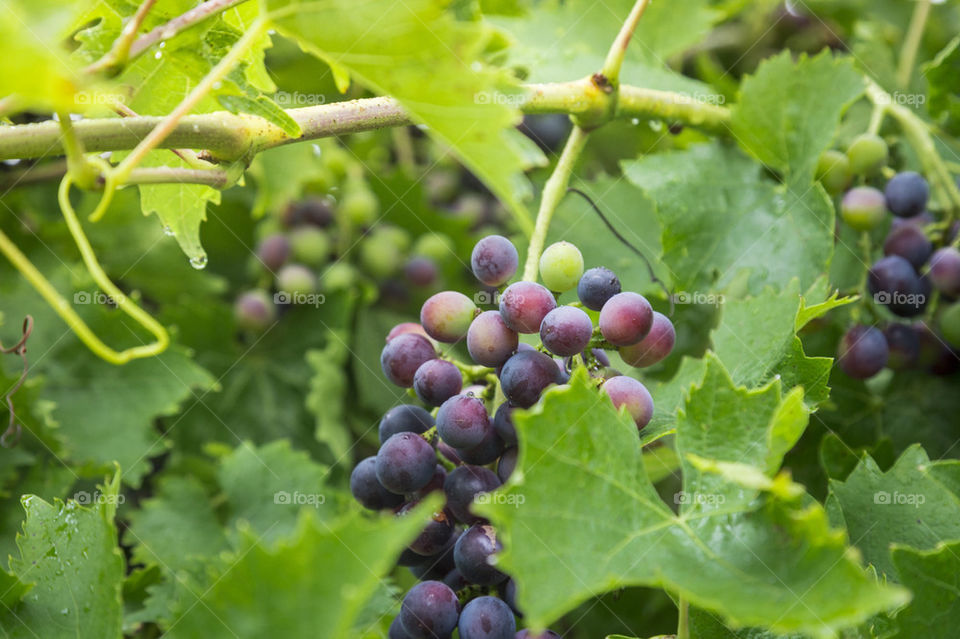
[[867, 154], [359, 204], [335, 159], [561, 266], [833, 171], [436, 246], [296, 280], [380, 255], [950, 325], [863, 208], [310, 245], [400, 237], [339, 276]]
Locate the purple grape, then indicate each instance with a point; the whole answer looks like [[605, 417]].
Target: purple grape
[[945, 271], [921, 220], [405, 418], [526, 375], [490, 341], [862, 352], [503, 424], [435, 535], [894, 283], [396, 630], [626, 319], [463, 422], [449, 452], [405, 463], [904, 345], [486, 452], [476, 390], [527, 634], [566, 331], [409, 558], [435, 483], [455, 580], [430, 610], [462, 485], [596, 286], [475, 554], [910, 243], [494, 260], [436, 381], [254, 311], [315, 211], [907, 194], [420, 271], [521, 347], [562, 371], [367, 490], [507, 464], [510, 596], [406, 327], [438, 566], [487, 617], [403, 355], [628, 392], [447, 315], [273, 251], [523, 306], [654, 347]]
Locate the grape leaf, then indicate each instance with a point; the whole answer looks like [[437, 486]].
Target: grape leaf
[[330, 570], [589, 520], [788, 111], [720, 216], [69, 552], [417, 53], [943, 91], [904, 505], [328, 395], [934, 578]]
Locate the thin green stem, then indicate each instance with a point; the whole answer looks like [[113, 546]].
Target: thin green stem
[[169, 123], [173, 27], [124, 303], [120, 51], [683, 621], [876, 118], [553, 191], [618, 50], [911, 43]]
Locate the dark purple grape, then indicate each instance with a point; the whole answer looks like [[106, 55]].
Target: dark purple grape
[[921, 220], [315, 211], [449, 452], [439, 565], [486, 452], [907, 194], [527, 634], [600, 355], [455, 580], [494, 260], [895, 284], [503, 424], [396, 630], [910, 243], [368, 490], [862, 352], [463, 422], [945, 271], [434, 536], [490, 341], [487, 618], [507, 464], [654, 347], [548, 130], [436, 381], [405, 463], [462, 485], [420, 271], [526, 375], [273, 251], [630, 393], [566, 331], [405, 418], [626, 319], [509, 594], [520, 348], [523, 306], [409, 558], [436, 482], [403, 355], [563, 373], [447, 315], [596, 286], [904, 345], [255, 311], [475, 554], [430, 610]]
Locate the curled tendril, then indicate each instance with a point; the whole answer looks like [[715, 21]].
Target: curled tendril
[[11, 436], [626, 242]]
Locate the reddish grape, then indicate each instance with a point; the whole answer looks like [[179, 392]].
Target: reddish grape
[[406, 327], [945, 271], [254, 311], [420, 271], [628, 392], [654, 347], [523, 306], [273, 251], [494, 260], [403, 355], [862, 352], [446, 316], [566, 330], [625, 319], [405, 463], [490, 341], [436, 381], [463, 422], [909, 242]]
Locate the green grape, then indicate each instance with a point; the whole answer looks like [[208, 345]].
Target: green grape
[[359, 204], [950, 324], [867, 154], [561, 266], [295, 280], [833, 171], [335, 159], [381, 252], [310, 245], [437, 246], [339, 276], [394, 234], [863, 208]]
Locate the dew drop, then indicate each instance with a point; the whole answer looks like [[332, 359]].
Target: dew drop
[[168, 231], [635, 121], [199, 262], [158, 55], [65, 611]]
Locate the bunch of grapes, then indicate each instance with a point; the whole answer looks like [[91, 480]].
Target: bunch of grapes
[[920, 266], [458, 441]]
